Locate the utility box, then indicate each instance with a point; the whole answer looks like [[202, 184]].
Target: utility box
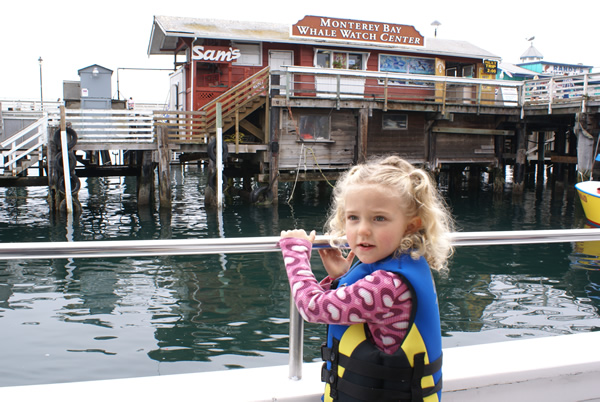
[[95, 85]]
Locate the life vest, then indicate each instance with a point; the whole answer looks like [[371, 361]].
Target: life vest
[[356, 370]]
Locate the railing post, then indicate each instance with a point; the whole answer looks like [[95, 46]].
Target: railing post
[[219, 161], [338, 85], [296, 342], [584, 93], [550, 94], [65, 160], [385, 94]]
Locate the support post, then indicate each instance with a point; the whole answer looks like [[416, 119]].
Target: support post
[[521, 160], [363, 129], [541, 165], [559, 168], [275, 116], [296, 342], [164, 168], [219, 160], [145, 179], [65, 160]]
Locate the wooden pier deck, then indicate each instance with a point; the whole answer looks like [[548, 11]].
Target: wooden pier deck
[[440, 121]]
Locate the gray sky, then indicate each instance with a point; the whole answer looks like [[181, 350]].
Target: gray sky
[[71, 34]]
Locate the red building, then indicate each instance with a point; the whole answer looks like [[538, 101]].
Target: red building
[[339, 89]]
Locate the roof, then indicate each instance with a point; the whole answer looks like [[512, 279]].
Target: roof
[[514, 70], [89, 68], [532, 53], [166, 31]]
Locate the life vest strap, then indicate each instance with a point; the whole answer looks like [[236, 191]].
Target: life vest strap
[[362, 393], [412, 374], [384, 372], [374, 370]]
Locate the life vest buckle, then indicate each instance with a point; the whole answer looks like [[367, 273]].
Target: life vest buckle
[[328, 376], [328, 354]]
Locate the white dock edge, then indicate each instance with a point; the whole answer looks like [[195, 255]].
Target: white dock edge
[[556, 368]]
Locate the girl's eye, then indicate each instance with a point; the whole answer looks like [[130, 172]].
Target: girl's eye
[[352, 217], [379, 218]]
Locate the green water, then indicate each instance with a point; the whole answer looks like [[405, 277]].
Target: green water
[[86, 319]]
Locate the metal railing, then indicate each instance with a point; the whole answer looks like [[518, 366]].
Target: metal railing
[[388, 87], [562, 89], [101, 249]]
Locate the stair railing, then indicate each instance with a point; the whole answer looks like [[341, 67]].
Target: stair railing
[[28, 141], [237, 97]]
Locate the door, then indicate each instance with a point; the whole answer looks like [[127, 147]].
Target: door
[[278, 59]]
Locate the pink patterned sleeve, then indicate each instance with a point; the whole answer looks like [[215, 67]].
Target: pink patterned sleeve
[[381, 299]]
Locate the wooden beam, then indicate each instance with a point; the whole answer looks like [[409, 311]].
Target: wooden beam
[[252, 129], [363, 129], [476, 131], [563, 159]]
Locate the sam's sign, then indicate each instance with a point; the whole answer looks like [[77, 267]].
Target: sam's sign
[[360, 31], [218, 54]]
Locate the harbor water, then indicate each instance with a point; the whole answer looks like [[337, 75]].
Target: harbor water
[[65, 320]]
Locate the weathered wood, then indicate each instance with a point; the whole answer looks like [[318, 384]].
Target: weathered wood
[[145, 185], [164, 170], [252, 129], [521, 159], [475, 131], [274, 150], [363, 135]]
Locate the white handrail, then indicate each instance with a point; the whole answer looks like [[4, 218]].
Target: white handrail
[[29, 140], [235, 245], [51, 250]]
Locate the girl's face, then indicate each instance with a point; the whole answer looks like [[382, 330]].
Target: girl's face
[[375, 223]]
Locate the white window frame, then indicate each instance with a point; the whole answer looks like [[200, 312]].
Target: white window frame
[[248, 57], [326, 137], [402, 82], [395, 117], [363, 67]]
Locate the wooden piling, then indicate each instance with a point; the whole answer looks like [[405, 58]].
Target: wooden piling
[[521, 159], [145, 184], [164, 170]]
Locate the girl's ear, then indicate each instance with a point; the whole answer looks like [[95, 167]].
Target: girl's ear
[[414, 224]]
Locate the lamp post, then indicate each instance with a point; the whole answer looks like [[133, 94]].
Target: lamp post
[[41, 87], [435, 24]]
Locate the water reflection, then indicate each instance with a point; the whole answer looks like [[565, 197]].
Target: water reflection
[[123, 317]]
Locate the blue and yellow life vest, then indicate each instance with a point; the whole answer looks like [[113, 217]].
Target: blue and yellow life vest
[[356, 370]]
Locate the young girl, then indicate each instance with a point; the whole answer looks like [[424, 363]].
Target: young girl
[[384, 337]]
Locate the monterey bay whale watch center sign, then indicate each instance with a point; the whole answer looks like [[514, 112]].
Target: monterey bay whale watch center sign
[[359, 31]]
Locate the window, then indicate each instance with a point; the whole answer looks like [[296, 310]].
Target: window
[[250, 54], [406, 65], [342, 60], [391, 121], [314, 127]]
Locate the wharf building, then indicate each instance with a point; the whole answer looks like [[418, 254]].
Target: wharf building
[[307, 101], [340, 91]]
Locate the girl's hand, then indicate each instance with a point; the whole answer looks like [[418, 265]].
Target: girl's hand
[[335, 263], [299, 234]]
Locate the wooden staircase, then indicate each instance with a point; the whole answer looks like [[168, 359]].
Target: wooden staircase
[[236, 105]]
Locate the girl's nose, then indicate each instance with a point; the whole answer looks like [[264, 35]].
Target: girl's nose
[[364, 228]]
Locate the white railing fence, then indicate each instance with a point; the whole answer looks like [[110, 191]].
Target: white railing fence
[[561, 89], [23, 147], [105, 127]]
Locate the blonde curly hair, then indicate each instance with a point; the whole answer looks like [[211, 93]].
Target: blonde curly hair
[[419, 197]]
